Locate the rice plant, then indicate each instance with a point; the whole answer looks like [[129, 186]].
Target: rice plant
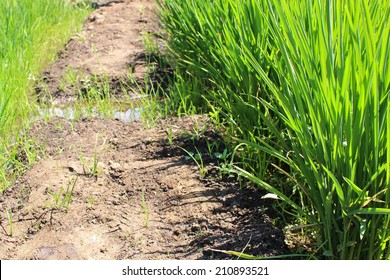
[[207, 39], [303, 85], [334, 101]]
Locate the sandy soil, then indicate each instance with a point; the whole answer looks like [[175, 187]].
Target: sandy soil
[[105, 189]]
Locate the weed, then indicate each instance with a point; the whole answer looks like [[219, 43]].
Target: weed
[[150, 43], [132, 240], [70, 80], [90, 202], [223, 156], [198, 159], [142, 10], [169, 133], [69, 193], [199, 232]]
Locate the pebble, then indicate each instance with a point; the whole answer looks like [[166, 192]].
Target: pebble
[[116, 167]]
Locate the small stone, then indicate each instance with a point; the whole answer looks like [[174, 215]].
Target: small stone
[[114, 141], [116, 167]]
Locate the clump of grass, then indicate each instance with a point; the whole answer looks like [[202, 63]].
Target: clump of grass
[[90, 202], [198, 159], [334, 101], [92, 170], [63, 197], [207, 41], [96, 96]]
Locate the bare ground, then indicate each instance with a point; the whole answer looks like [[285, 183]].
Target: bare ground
[[105, 189], [111, 45]]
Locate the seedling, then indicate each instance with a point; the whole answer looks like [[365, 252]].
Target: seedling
[[145, 208], [90, 202], [63, 197], [92, 171], [8, 214], [211, 146], [142, 10], [149, 43], [197, 158], [69, 193], [196, 133], [224, 155], [170, 135], [199, 232]]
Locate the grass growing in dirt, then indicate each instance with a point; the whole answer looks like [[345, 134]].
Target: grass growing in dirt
[[301, 89], [94, 97], [31, 33]]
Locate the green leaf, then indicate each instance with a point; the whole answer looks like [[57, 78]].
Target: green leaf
[[241, 172], [370, 211], [327, 253], [337, 185], [363, 227]]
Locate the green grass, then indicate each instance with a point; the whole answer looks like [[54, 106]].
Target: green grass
[[334, 102], [207, 41], [145, 208], [31, 33], [94, 97], [198, 159], [91, 169], [62, 198], [301, 88]]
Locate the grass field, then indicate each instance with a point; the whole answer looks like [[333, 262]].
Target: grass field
[[31, 33]]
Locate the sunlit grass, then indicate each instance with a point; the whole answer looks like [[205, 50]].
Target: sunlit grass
[[334, 101], [303, 85], [31, 33]]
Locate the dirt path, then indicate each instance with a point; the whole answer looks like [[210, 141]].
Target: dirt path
[[111, 45], [112, 190]]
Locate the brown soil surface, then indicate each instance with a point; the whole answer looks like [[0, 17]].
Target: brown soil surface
[[111, 45], [105, 189]]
